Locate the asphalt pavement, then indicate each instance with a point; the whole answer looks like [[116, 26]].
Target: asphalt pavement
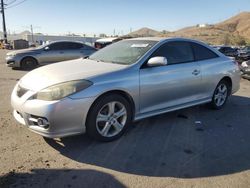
[[193, 147]]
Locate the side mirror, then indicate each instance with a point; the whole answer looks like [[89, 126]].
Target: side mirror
[[46, 48], [157, 61]]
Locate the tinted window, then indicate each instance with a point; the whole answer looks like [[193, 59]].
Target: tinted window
[[202, 53], [73, 45], [86, 47], [57, 46], [65, 46], [175, 52]]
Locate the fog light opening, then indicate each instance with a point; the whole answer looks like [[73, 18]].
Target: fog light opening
[[41, 122]]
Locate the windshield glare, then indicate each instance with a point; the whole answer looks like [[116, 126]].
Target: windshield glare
[[42, 46], [124, 52]]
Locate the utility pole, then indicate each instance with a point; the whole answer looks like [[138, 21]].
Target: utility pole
[[32, 34], [4, 26]]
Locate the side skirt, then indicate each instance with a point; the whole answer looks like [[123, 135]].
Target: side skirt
[[170, 109]]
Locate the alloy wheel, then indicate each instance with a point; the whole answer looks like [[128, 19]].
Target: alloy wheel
[[111, 119], [220, 95]]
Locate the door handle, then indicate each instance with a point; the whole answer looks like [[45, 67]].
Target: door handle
[[196, 72]]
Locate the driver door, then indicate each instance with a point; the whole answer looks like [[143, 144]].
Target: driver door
[[54, 52], [172, 85]]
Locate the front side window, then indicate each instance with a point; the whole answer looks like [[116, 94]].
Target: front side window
[[124, 52], [175, 52]]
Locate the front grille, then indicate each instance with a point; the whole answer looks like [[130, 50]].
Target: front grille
[[21, 91]]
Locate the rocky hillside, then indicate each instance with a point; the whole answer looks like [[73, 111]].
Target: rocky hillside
[[235, 30], [144, 32]]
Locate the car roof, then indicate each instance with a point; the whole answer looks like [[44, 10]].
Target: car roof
[[157, 39], [160, 39], [65, 41], [173, 39]]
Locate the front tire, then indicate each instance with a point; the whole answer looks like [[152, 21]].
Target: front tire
[[28, 63], [220, 96], [109, 118]]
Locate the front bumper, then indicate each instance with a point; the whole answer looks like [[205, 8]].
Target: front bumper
[[65, 117], [12, 61]]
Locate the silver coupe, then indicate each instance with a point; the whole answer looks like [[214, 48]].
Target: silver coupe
[[49, 53], [124, 82]]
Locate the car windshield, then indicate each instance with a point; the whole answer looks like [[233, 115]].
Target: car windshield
[[124, 52]]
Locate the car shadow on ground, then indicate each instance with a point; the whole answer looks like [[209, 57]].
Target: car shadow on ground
[[24, 70], [60, 178], [189, 143]]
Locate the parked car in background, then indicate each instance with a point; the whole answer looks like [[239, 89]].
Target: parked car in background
[[49, 53], [101, 43], [245, 69], [228, 51], [244, 54], [126, 81], [6, 46]]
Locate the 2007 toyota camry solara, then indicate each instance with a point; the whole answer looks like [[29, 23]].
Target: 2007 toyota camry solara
[[124, 82]]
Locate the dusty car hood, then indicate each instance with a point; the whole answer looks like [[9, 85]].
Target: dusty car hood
[[65, 71]]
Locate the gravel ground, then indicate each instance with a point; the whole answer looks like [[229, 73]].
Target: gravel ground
[[169, 150]]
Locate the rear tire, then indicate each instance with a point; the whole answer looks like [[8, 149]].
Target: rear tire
[[108, 118], [28, 63], [220, 96]]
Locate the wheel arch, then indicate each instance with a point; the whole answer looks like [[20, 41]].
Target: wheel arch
[[124, 94], [29, 56], [229, 81]]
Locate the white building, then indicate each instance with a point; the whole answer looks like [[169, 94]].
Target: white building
[[40, 38], [44, 38]]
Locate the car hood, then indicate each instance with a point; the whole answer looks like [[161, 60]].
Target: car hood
[[66, 71], [22, 51]]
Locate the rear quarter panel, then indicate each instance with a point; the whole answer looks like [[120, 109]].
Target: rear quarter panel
[[214, 70]]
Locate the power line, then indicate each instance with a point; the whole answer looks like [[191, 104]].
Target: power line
[[18, 3], [10, 2], [4, 6]]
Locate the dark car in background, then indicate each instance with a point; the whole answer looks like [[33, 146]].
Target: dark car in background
[[228, 51], [245, 69], [50, 53], [244, 54]]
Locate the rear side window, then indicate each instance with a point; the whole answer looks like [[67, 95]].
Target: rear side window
[[57, 46], [86, 47], [175, 52], [73, 45], [202, 53]]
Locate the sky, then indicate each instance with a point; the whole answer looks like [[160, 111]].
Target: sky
[[116, 16]]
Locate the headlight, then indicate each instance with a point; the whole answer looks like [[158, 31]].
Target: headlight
[[59, 91], [10, 55]]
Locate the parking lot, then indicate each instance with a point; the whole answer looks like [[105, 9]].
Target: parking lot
[[194, 147]]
